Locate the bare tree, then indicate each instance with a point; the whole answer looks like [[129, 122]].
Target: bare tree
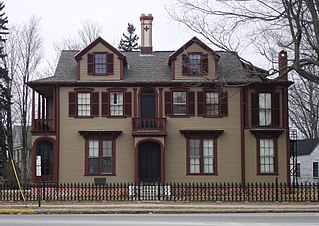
[[268, 25], [24, 55], [89, 32], [304, 108]]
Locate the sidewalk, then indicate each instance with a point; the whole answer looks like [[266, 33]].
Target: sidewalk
[[154, 208]]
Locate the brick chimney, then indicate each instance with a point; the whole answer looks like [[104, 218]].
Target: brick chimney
[[146, 34], [282, 64]]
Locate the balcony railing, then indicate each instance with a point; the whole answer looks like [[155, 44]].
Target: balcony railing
[[149, 124], [43, 125]]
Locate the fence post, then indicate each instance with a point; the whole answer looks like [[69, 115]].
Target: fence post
[[277, 189]]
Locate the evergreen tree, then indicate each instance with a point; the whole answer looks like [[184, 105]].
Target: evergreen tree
[[129, 41]]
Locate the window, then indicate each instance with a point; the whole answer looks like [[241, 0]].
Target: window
[[84, 104], [116, 104], [100, 156], [298, 170], [179, 103], [266, 156], [195, 64], [315, 169], [100, 63], [212, 104], [100, 151], [265, 109], [201, 156]]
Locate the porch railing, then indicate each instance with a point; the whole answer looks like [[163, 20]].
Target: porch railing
[[43, 125], [147, 124]]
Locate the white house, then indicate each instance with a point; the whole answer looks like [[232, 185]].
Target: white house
[[308, 161]]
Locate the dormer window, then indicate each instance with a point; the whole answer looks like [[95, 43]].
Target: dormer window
[[195, 64], [100, 63]]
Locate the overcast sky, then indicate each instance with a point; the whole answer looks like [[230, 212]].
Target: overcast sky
[[62, 18]]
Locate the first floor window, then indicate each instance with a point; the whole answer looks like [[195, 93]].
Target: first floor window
[[315, 169], [201, 156], [116, 103], [267, 156], [100, 157], [179, 103], [84, 104]]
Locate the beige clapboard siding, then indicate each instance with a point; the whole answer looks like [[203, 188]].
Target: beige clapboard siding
[[194, 48], [84, 69], [251, 160]]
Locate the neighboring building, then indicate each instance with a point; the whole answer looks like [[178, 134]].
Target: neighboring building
[[18, 147], [307, 161], [190, 115]]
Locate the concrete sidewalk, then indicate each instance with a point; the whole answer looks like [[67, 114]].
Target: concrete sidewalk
[[155, 208]]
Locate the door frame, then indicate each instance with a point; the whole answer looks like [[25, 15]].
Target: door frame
[[140, 94], [136, 158]]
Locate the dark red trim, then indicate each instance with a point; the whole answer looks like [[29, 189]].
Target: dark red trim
[[286, 126], [121, 69], [116, 89], [103, 42], [160, 112], [79, 69], [173, 70], [275, 173], [33, 108], [136, 179], [188, 44], [135, 102], [139, 94], [58, 132], [242, 136]]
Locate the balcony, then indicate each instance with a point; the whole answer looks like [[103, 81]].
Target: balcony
[[149, 126], [43, 125]]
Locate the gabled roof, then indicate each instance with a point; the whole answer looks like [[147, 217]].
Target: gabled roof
[[103, 42], [188, 44], [306, 147]]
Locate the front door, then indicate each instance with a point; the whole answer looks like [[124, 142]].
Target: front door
[[149, 162]]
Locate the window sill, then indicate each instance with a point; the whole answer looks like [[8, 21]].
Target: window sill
[[267, 174], [202, 174], [99, 174]]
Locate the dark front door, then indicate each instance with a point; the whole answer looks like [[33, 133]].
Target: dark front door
[[149, 161], [147, 103]]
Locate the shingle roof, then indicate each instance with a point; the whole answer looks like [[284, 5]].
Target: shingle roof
[[152, 68], [306, 147]]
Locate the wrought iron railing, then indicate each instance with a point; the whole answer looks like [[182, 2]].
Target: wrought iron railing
[[43, 125], [147, 124]]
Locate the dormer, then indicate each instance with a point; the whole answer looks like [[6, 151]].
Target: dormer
[[100, 61], [194, 61]]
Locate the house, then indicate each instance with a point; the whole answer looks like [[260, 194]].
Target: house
[[190, 115], [18, 156], [307, 161]]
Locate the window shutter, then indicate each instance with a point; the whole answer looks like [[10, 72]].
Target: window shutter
[[90, 63], [191, 103], [224, 104], [72, 104], [254, 109], [168, 103], [110, 63], [201, 103], [276, 110], [128, 104], [105, 104], [95, 104], [185, 63], [204, 64]]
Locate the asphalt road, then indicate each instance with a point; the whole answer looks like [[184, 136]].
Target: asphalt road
[[167, 219]]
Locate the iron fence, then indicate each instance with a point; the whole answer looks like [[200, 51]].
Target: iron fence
[[224, 192]]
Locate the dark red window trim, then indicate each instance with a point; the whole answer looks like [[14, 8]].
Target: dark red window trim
[[201, 135], [100, 136], [94, 102], [127, 103], [203, 64], [109, 63], [223, 103], [190, 102]]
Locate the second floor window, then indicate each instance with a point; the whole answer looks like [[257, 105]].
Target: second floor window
[[265, 109], [195, 64], [212, 104], [84, 104], [116, 104], [179, 103], [315, 169]]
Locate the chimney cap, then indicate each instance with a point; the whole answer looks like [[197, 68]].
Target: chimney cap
[[144, 17]]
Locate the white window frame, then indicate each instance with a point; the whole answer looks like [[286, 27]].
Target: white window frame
[[84, 104], [178, 103], [266, 156], [265, 109], [116, 103], [212, 100], [93, 154], [194, 63]]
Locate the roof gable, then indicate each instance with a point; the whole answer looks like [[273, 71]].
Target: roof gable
[[306, 147], [188, 44], [103, 42]]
